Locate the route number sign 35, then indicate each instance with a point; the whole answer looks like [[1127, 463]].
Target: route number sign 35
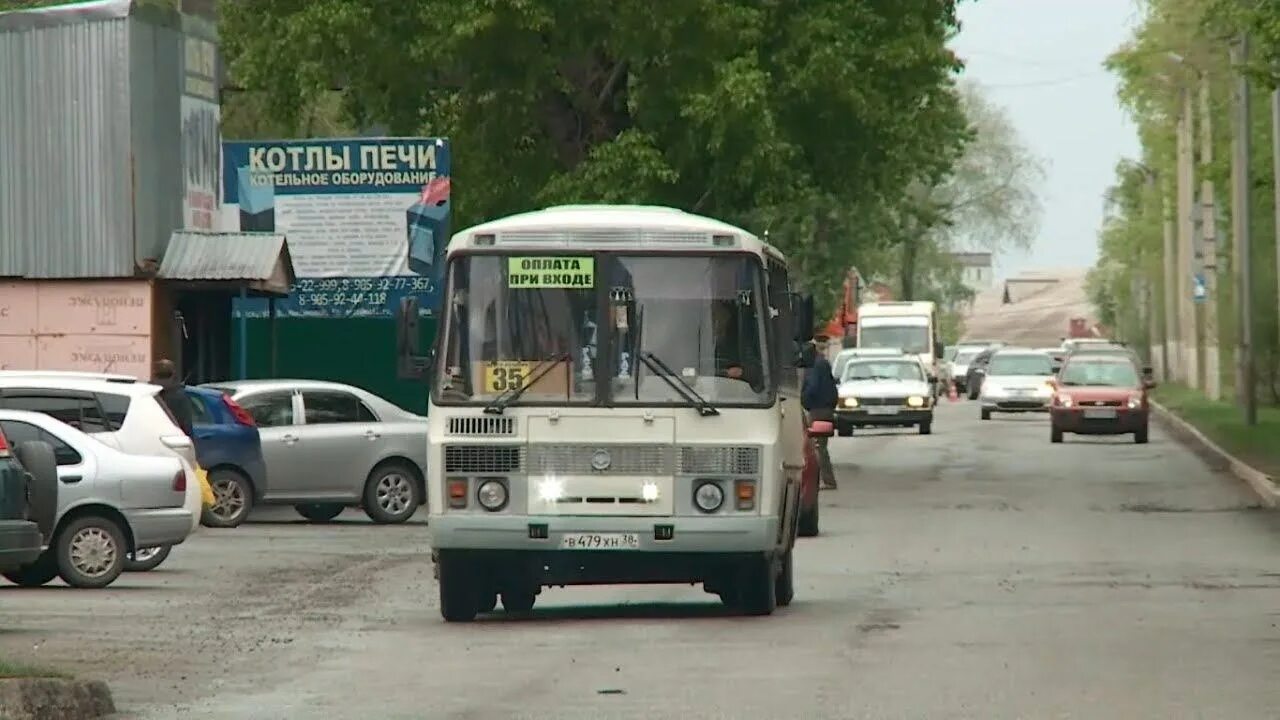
[[503, 376]]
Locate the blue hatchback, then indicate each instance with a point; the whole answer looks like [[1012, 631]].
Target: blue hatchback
[[228, 447]]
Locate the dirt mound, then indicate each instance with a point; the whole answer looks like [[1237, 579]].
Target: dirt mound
[[1042, 306]]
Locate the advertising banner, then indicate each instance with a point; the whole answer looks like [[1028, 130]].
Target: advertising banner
[[201, 138], [367, 219]]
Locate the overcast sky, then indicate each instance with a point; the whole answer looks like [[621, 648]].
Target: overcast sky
[[1041, 60]]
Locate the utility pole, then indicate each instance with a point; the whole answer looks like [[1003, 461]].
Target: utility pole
[[1243, 244], [1189, 347], [1275, 154], [1209, 245], [1172, 366]]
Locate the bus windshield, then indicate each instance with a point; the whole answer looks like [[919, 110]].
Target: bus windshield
[[511, 322], [700, 316]]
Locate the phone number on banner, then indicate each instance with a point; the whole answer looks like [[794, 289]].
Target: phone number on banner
[[344, 297]]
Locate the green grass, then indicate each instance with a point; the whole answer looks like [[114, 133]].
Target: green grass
[[19, 670], [1223, 422]]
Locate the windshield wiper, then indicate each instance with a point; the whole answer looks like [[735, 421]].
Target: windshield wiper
[[510, 395], [677, 383]]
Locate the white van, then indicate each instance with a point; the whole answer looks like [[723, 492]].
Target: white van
[[910, 326]]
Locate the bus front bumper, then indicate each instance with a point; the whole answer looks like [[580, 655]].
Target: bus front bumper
[[570, 534]]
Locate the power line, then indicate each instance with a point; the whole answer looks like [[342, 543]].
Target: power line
[[1045, 83]]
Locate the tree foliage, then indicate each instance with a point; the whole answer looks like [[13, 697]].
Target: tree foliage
[[805, 118]]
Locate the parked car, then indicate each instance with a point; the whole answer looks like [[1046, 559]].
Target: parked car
[[960, 365], [28, 501], [891, 391], [1017, 380], [329, 446], [1100, 395], [110, 503], [117, 410], [229, 448], [809, 489]]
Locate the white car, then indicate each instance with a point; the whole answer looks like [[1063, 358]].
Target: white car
[[117, 410], [109, 502], [886, 391], [1017, 380]]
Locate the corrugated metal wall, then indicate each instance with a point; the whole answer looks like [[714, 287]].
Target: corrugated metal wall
[[65, 188], [155, 57]]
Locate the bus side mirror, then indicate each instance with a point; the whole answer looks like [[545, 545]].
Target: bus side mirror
[[410, 363], [802, 317]]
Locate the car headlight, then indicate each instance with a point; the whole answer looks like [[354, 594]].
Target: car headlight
[[990, 388], [1135, 403], [1065, 401], [915, 401], [850, 402], [708, 496], [492, 495]]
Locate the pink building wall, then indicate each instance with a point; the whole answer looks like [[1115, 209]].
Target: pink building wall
[[86, 325]]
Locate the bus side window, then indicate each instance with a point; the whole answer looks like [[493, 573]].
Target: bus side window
[[784, 350]]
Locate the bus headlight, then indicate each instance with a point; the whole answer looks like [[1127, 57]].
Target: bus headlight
[[492, 495], [708, 496], [915, 401]]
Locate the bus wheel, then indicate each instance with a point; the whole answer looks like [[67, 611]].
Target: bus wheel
[[757, 586], [518, 601], [784, 588], [459, 596]]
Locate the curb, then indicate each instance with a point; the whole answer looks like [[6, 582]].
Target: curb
[[41, 698], [1261, 484]]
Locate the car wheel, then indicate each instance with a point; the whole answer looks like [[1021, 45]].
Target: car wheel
[[38, 460], [1055, 434], [926, 427], [809, 522], [37, 574], [488, 601], [319, 512], [518, 601], [784, 587], [233, 499], [757, 587], [145, 559], [844, 430], [459, 594], [1140, 437], [391, 494], [91, 551], [986, 414]]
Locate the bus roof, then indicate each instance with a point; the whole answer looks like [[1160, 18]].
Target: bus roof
[[651, 227]]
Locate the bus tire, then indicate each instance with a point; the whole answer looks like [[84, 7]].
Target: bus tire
[[757, 586], [459, 595], [518, 601]]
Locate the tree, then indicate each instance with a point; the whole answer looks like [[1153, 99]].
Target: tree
[[805, 118], [987, 201]]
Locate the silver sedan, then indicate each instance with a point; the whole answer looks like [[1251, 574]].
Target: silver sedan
[[329, 446]]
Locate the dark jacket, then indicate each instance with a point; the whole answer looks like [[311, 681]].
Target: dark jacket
[[174, 397], [819, 392]]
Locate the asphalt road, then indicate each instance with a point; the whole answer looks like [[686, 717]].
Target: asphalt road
[[978, 572]]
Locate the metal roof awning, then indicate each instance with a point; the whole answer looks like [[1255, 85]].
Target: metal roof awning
[[258, 262]]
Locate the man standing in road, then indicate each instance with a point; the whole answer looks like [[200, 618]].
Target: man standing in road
[[173, 394], [819, 397]]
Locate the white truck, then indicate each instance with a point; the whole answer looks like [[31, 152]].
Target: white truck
[[909, 325], [615, 399]]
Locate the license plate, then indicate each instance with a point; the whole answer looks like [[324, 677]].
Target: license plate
[[882, 411], [1021, 392], [1100, 414], [600, 541]]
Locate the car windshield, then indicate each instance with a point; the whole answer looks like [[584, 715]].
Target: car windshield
[[700, 316], [1023, 364], [882, 370], [509, 315], [1099, 374], [909, 338]]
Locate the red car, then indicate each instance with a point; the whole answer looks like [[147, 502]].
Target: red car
[[1099, 395], [809, 490]]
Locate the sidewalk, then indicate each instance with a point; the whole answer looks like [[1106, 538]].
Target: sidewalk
[[1223, 424]]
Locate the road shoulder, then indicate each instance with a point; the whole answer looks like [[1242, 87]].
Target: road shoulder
[[1263, 485]]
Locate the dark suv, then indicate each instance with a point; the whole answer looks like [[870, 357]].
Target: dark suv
[[28, 501]]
